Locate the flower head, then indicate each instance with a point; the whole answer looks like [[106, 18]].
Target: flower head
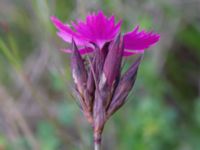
[[100, 86], [98, 29]]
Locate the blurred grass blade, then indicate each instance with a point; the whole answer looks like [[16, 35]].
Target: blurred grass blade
[[5, 50], [14, 48]]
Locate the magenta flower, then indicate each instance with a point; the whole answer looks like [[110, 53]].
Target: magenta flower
[[100, 86], [98, 30]]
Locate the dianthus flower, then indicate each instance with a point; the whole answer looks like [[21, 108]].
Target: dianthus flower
[[97, 51]]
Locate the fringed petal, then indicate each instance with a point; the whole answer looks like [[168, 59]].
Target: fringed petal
[[66, 33], [140, 40]]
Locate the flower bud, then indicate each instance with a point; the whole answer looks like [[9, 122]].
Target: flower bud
[[99, 60], [112, 64], [79, 73], [95, 69], [124, 87]]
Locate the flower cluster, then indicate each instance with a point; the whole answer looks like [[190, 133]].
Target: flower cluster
[[96, 57]]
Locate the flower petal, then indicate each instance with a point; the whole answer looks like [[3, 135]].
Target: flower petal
[[128, 53], [66, 33], [82, 51], [68, 38], [132, 52], [139, 40]]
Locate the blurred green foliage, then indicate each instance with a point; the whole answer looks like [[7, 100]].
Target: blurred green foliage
[[163, 111], [47, 136]]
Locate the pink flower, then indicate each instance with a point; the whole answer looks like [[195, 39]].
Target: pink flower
[[99, 83], [98, 30]]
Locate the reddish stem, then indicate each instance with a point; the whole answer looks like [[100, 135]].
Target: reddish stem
[[97, 140]]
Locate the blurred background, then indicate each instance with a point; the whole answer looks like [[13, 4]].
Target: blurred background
[[37, 111]]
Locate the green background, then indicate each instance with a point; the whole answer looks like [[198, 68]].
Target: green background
[[37, 110]]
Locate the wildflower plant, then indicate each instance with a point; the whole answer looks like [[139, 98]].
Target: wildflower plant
[[97, 51]]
